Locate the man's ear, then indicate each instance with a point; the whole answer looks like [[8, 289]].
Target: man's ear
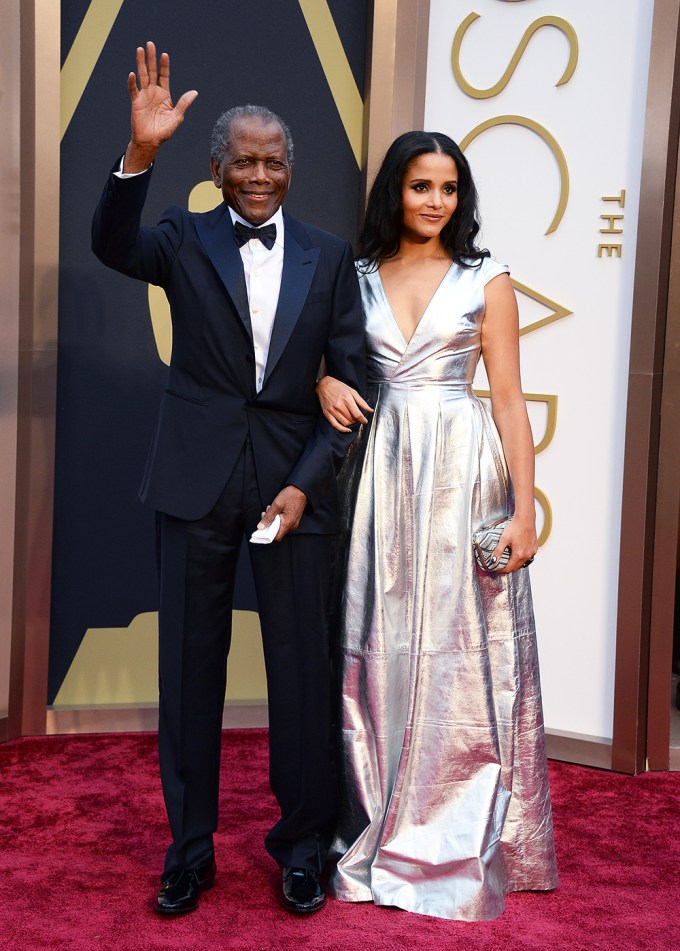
[[216, 172]]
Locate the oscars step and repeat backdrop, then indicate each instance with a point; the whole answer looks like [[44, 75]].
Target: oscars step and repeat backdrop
[[305, 60], [547, 98]]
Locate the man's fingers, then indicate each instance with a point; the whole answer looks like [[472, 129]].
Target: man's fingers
[[132, 86], [142, 74], [151, 63], [289, 504], [282, 532], [164, 72], [288, 523], [184, 102], [269, 514]]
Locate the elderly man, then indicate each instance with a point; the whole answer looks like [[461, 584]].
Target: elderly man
[[257, 301]]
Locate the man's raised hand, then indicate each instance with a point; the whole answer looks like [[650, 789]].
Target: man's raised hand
[[154, 118]]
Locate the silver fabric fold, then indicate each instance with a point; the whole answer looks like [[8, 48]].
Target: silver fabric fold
[[445, 797]]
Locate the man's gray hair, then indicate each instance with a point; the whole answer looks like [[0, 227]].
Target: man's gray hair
[[221, 133]]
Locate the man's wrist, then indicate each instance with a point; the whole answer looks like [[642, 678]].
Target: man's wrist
[[138, 159]]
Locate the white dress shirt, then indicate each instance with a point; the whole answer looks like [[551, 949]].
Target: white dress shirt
[[262, 269]]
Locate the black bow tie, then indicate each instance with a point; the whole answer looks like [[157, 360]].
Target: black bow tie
[[243, 233]]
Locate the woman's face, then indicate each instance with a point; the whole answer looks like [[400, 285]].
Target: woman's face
[[429, 195]]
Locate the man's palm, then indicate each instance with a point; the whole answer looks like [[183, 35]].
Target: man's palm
[[154, 118]]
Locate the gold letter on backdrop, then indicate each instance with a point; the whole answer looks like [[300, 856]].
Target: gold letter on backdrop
[[550, 141], [557, 311], [492, 91]]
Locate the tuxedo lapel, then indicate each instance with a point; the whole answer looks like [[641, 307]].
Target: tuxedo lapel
[[299, 267], [216, 234]]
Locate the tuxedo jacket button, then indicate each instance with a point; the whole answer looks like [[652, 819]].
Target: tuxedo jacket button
[[250, 358]]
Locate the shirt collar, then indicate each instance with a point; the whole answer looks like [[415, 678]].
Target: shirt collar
[[276, 219]]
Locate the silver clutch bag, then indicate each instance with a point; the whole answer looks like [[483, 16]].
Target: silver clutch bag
[[484, 543]]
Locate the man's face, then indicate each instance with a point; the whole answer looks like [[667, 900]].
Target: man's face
[[254, 174]]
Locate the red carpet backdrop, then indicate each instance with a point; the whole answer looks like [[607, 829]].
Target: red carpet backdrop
[[84, 832]]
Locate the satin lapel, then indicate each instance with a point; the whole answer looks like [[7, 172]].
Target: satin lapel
[[299, 267], [219, 244]]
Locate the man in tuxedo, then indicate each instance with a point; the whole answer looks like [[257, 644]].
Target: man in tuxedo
[[240, 444]]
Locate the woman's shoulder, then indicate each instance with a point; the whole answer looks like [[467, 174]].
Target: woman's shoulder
[[486, 268]]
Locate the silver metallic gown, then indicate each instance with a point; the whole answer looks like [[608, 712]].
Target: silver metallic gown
[[445, 798]]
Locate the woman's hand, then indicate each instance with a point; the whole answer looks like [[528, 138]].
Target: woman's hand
[[340, 404], [520, 537]]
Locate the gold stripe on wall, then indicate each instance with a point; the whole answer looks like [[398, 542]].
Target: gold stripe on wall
[[83, 55], [337, 70], [119, 665]]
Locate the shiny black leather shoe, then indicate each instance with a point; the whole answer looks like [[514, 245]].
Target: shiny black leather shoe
[[302, 891], [181, 890]]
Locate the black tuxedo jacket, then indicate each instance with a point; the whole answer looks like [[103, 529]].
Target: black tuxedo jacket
[[210, 404]]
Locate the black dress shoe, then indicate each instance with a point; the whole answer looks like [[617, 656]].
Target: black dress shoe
[[302, 891], [181, 890]]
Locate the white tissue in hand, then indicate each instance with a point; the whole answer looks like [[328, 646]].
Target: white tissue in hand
[[264, 536]]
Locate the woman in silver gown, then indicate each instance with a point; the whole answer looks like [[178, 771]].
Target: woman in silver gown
[[445, 805]]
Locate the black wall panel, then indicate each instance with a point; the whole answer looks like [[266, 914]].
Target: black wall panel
[[109, 374]]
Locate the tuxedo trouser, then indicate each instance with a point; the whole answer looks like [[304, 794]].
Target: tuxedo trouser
[[292, 577]]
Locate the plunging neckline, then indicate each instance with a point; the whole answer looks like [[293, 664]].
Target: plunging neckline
[[407, 343]]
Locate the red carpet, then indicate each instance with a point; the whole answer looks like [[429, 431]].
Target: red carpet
[[83, 836]]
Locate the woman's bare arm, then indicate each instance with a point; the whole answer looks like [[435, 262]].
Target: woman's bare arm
[[500, 350]]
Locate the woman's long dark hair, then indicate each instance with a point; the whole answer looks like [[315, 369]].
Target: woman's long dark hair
[[382, 227]]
